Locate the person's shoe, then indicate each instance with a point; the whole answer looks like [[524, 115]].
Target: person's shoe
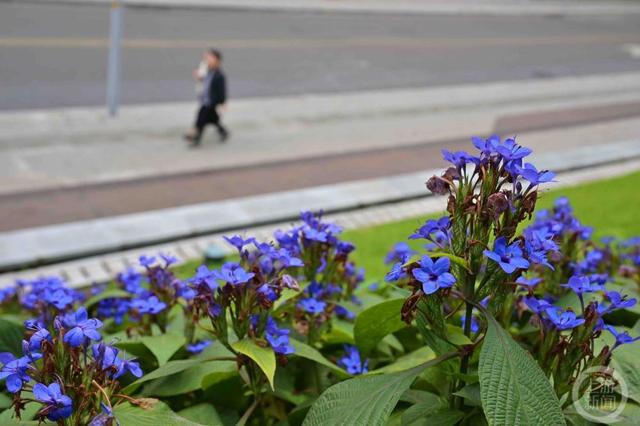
[[224, 136], [192, 139]]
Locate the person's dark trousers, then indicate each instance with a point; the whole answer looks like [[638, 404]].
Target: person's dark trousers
[[209, 115]]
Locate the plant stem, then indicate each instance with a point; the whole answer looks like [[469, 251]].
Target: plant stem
[[245, 417]]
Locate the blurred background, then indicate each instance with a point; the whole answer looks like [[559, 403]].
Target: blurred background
[[340, 105]]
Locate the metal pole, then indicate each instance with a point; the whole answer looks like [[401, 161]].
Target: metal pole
[[113, 71]]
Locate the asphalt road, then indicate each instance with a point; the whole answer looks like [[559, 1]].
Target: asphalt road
[[55, 55]]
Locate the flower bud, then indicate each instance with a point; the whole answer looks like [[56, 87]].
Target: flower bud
[[451, 174], [529, 202], [437, 185], [497, 204]]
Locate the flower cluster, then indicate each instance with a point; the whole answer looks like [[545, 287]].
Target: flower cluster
[[489, 194], [44, 297], [67, 367], [476, 255], [330, 276], [151, 295]]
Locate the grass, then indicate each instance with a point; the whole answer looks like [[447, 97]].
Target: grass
[[611, 206]]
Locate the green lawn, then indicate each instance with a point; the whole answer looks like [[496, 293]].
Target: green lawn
[[611, 206]]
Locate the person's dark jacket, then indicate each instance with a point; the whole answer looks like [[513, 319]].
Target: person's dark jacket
[[217, 89]]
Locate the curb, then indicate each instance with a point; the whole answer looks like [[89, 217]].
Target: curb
[[102, 268], [56, 243]]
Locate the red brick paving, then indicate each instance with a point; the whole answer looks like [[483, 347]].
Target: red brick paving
[[94, 201]]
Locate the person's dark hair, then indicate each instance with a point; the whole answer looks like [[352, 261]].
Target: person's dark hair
[[216, 53]]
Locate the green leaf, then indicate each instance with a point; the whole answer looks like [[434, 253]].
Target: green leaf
[[471, 393], [11, 335], [513, 388], [7, 417], [431, 415], [264, 357], [190, 379], [172, 367], [163, 346], [305, 351], [5, 401], [204, 413], [428, 402], [375, 322], [341, 332], [410, 360], [456, 336], [112, 293], [157, 414], [365, 400]]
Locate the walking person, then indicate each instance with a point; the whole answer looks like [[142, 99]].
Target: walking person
[[212, 97]]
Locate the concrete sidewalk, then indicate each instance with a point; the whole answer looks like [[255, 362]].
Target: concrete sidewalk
[[444, 7], [45, 150]]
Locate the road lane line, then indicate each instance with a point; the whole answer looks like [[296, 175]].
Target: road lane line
[[399, 42]]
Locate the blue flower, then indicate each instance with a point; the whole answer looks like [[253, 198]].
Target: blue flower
[[434, 275], [108, 360], [401, 252], [61, 298], [113, 307], [537, 306], [397, 272], [617, 301], [233, 273], [6, 294], [286, 259], [131, 280], [168, 259], [14, 371], [312, 306], [352, 362], [510, 150], [343, 312], [105, 418], [535, 177], [509, 257], [56, 405], [238, 242], [621, 338], [278, 338], [581, 284], [563, 320], [204, 276], [36, 339], [151, 305], [147, 261], [128, 365], [199, 346], [83, 328], [312, 234], [488, 146], [267, 292], [459, 158], [345, 247], [528, 283], [436, 231]]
